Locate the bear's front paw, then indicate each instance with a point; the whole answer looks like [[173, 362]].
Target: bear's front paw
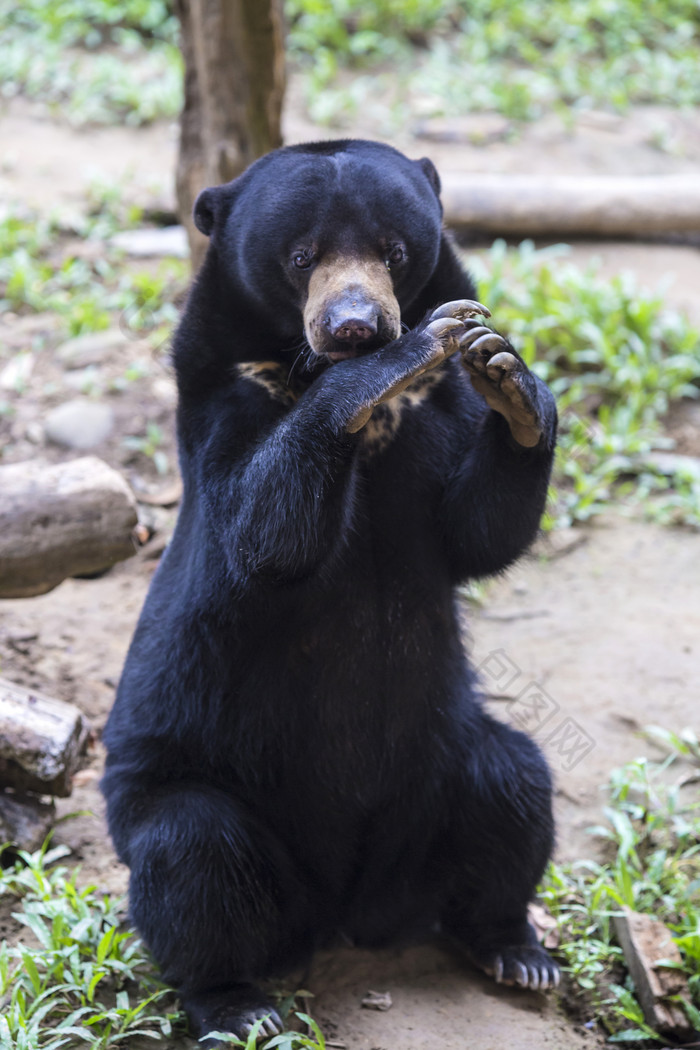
[[504, 381], [444, 328], [448, 325]]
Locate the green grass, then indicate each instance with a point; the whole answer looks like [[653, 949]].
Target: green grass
[[653, 839], [149, 444], [102, 61], [518, 57], [616, 358], [289, 1040], [79, 978], [93, 61], [38, 273]]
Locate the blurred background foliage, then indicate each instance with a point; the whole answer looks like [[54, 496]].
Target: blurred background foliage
[[102, 60]]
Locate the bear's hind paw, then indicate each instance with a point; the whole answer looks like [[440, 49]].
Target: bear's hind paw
[[231, 1012], [524, 966]]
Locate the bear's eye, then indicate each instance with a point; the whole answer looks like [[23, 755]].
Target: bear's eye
[[303, 259], [395, 255]]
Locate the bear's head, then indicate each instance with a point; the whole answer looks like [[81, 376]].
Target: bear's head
[[332, 241]]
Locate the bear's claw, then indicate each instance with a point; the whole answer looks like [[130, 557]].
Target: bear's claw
[[271, 1025], [450, 325], [461, 309], [235, 1019], [479, 343], [526, 967], [504, 381]]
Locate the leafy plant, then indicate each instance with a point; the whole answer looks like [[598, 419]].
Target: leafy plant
[[98, 60], [616, 358], [519, 57], [81, 977], [109, 210], [286, 1041], [103, 61], [149, 445], [85, 979], [36, 275], [653, 831]]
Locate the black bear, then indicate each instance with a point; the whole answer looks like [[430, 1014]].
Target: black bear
[[297, 746]]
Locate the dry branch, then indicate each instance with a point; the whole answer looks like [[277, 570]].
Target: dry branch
[[60, 520], [41, 741], [647, 943], [512, 205]]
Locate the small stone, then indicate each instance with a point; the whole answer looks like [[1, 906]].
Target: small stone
[[79, 423], [160, 241], [91, 348], [16, 373], [84, 380], [377, 1001], [34, 433]]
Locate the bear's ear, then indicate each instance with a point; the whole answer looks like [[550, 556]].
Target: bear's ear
[[430, 172], [206, 209]]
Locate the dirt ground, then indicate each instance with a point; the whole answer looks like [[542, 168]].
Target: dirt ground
[[592, 636]]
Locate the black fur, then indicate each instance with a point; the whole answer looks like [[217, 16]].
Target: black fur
[[297, 747]]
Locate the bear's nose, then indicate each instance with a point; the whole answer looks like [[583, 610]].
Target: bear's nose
[[352, 321], [353, 330]]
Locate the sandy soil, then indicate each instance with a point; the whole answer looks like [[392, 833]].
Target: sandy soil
[[601, 625]]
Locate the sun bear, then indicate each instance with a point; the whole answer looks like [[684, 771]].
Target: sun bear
[[297, 745]]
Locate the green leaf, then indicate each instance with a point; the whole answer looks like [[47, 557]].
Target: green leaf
[[30, 968], [630, 1035]]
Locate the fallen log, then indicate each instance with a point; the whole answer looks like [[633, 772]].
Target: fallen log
[[42, 741], [60, 520], [511, 205]]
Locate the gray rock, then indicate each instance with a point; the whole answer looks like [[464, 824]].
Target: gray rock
[[34, 433], [79, 423], [91, 349], [83, 379], [16, 373], [164, 240]]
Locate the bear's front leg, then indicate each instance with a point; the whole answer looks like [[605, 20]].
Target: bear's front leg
[[505, 382], [439, 337]]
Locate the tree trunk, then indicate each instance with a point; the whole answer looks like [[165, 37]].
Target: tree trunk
[[234, 84]]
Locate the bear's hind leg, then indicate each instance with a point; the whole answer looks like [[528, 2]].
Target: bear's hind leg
[[217, 901], [231, 1009], [497, 850]]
